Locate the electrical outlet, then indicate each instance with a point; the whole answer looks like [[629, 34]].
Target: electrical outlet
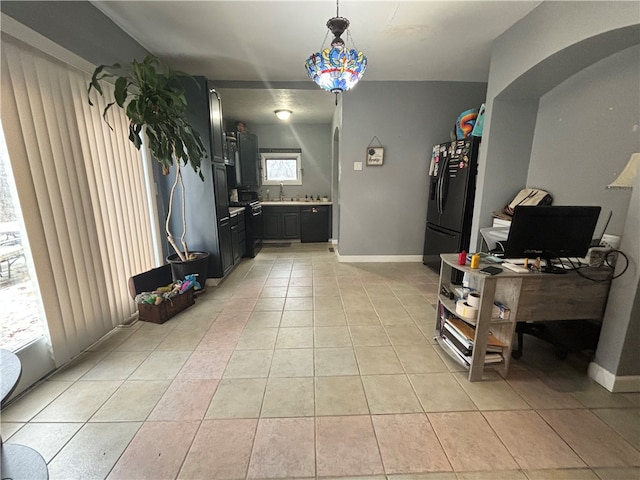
[[596, 256]]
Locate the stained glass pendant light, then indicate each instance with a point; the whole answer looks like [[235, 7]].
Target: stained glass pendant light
[[338, 68]]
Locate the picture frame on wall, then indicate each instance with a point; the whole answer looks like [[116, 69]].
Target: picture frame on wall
[[375, 156]]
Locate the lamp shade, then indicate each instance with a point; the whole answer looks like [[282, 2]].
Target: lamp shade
[[336, 69], [628, 175]]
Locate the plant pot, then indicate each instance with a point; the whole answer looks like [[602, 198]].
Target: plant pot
[[198, 266]]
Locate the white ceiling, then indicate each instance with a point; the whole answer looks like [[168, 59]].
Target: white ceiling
[[266, 41]]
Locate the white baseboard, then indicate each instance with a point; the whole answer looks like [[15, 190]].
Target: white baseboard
[[613, 383], [378, 258]]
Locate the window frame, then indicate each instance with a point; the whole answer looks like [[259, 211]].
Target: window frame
[[266, 156]]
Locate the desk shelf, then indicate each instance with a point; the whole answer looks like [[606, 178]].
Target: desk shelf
[[531, 297], [492, 288], [450, 305]]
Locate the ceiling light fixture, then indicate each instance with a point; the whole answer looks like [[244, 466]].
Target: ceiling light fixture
[[338, 68], [283, 114]]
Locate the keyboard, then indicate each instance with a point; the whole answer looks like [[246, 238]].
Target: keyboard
[[515, 268], [514, 261]]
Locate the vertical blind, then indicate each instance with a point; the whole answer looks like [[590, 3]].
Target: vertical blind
[[82, 190]]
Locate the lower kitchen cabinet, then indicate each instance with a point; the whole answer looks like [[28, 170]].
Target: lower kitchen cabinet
[[226, 245], [281, 222], [238, 238], [291, 225], [309, 222]]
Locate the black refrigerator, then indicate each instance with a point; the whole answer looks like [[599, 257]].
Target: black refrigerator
[[452, 185]]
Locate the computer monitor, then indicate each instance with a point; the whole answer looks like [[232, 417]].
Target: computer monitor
[[551, 232]]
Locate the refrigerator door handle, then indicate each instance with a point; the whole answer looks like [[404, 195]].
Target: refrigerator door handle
[[441, 188], [440, 195]]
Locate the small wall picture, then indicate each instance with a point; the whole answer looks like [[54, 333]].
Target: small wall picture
[[375, 155]]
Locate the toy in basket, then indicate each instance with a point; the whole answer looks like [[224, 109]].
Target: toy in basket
[[164, 302]]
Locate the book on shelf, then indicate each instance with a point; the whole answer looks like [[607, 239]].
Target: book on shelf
[[500, 311], [469, 332], [466, 360], [492, 358], [489, 358], [501, 219], [464, 345]]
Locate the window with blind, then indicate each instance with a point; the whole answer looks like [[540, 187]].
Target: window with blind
[[83, 190]]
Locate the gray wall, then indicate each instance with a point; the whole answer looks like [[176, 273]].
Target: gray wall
[[383, 208], [618, 346], [545, 48], [79, 27], [558, 42], [585, 130], [315, 142]]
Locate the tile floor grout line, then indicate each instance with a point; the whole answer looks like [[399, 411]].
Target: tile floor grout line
[[453, 373]]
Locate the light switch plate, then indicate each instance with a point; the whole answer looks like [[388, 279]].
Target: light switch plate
[[357, 165]]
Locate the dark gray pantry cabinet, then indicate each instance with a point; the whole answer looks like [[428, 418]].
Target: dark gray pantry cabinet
[[209, 225]]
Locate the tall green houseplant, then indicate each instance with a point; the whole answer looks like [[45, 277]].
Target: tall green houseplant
[[150, 94]]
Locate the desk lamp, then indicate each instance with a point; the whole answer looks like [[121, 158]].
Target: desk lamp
[[628, 175]]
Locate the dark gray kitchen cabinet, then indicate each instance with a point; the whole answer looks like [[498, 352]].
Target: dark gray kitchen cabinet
[[224, 225], [226, 245], [272, 224], [291, 225], [207, 202], [281, 222], [248, 158], [219, 151], [238, 239]]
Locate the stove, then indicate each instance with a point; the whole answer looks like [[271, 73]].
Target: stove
[[253, 225]]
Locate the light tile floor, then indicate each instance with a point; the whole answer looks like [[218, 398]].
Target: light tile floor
[[298, 366]]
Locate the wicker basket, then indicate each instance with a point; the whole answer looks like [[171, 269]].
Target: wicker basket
[[167, 309]]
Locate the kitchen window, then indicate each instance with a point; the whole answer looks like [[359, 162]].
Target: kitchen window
[[280, 168]]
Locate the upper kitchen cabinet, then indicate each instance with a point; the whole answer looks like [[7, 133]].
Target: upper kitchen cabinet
[[220, 153], [205, 115], [248, 160]]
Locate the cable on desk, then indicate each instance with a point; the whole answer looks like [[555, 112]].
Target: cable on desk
[[609, 264], [626, 259]]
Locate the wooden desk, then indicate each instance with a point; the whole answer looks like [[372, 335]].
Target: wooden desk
[[17, 462], [529, 296]]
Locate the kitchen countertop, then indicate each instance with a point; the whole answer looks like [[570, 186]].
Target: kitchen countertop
[[235, 211], [294, 203]]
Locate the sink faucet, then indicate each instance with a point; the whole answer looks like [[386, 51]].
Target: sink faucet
[[281, 191]]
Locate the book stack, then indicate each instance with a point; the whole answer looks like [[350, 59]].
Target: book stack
[[459, 337], [501, 219]]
